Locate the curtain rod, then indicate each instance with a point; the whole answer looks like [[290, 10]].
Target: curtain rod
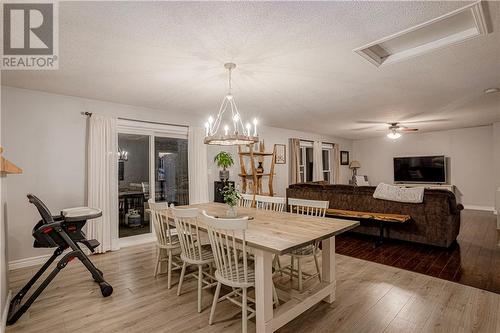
[[89, 114]]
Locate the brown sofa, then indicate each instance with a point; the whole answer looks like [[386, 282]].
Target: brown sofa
[[436, 221]]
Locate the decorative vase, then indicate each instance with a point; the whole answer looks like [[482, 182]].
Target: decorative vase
[[260, 168], [231, 211], [224, 175]]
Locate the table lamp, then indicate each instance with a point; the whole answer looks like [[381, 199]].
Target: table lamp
[[354, 165]]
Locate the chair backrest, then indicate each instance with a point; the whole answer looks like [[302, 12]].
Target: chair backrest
[[276, 204], [42, 209], [227, 252], [246, 200], [159, 215], [308, 207], [186, 223]]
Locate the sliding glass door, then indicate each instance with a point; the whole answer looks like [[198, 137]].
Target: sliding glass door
[[152, 164], [133, 184], [171, 171]]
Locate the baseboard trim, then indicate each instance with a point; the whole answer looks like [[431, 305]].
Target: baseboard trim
[[28, 262], [477, 207], [5, 312], [40, 260]]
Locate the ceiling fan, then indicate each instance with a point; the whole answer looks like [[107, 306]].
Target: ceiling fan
[[395, 130]]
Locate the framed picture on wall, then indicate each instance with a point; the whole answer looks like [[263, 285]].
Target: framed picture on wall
[[280, 156], [344, 157]]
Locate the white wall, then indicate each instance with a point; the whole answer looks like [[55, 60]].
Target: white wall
[[45, 135], [271, 136], [470, 152]]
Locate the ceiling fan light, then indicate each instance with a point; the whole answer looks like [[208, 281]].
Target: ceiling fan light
[[393, 135]]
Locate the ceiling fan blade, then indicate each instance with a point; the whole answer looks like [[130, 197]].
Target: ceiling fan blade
[[371, 122], [408, 129], [362, 128], [425, 121]]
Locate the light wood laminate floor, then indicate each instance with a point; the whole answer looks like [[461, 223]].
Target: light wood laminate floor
[[370, 297]]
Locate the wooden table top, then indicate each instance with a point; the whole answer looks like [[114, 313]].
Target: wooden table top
[[397, 218], [281, 232]]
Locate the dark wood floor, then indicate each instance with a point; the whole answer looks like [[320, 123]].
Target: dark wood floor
[[473, 261]]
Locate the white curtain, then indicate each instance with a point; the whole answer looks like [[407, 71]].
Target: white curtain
[[102, 177], [317, 161], [197, 161], [336, 163], [294, 145]]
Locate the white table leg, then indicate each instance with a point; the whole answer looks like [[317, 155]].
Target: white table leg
[[328, 265], [263, 291]]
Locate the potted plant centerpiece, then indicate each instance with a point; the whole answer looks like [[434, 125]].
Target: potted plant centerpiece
[[223, 160], [231, 198]]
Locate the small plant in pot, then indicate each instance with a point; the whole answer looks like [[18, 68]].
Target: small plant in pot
[[231, 198], [224, 160]]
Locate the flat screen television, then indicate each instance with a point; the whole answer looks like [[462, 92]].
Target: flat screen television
[[420, 169]]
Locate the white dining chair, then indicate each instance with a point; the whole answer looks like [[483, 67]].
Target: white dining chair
[[193, 252], [232, 263], [246, 200], [311, 208], [275, 204], [167, 242]]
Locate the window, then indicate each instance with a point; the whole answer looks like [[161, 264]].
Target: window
[[306, 164], [327, 171], [306, 161]]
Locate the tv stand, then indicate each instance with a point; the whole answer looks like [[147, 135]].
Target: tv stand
[[448, 187]]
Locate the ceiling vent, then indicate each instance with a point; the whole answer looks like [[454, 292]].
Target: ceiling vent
[[455, 27]]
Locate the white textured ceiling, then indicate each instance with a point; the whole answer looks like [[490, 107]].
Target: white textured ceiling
[[296, 68]]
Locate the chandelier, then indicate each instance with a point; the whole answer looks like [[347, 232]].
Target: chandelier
[[231, 132], [122, 155]]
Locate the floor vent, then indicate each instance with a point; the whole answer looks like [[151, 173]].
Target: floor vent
[[454, 27]]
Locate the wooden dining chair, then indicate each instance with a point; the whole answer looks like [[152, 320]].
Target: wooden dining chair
[[246, 200], [311, 208], [167, 242], [193, 252], [232, 263]]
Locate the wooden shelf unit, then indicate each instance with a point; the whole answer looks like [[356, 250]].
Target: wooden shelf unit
[[7, 167], [253, 175]]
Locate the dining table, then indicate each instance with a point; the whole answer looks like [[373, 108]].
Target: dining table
[[272, 233]]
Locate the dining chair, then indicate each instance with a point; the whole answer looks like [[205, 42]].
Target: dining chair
[[276, 204], [193, 252], [167, 241], [233, 266], [246, 200], [311, 208]]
